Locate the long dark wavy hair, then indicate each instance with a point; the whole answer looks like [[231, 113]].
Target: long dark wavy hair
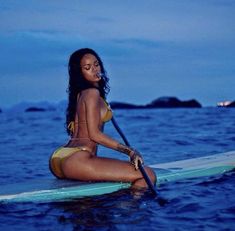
[[77, 82]]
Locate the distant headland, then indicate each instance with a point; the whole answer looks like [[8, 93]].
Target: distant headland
[[162, 102]]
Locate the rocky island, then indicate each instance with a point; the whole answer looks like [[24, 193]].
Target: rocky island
[[35, 109], [162, 102], [40, 108]]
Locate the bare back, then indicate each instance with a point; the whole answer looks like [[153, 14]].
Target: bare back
[[81, 137]]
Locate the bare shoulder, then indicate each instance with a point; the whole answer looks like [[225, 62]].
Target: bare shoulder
[[91, 94]]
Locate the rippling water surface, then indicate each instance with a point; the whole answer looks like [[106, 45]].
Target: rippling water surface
[[27, 140]]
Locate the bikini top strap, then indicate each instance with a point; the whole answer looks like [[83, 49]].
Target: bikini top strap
[[76, 118]]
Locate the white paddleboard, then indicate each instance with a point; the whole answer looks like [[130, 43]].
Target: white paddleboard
[[48, 190]]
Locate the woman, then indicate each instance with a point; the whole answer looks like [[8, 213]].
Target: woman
[[87, 112]]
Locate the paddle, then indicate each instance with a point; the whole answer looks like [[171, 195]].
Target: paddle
[[141, 168]]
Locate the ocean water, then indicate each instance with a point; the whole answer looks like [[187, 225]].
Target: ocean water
[[161, 135]]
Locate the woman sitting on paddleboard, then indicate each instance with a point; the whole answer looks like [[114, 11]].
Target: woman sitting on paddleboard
[[87, 112]]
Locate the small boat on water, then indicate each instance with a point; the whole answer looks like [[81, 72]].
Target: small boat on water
[[226, 104]]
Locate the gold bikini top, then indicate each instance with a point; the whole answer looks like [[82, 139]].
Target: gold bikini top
[[108, 114]]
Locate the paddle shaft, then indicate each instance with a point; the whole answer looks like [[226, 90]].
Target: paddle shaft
[[141, 168]]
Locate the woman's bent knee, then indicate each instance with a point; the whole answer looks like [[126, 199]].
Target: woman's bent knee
[[141, 183], [151, 174]]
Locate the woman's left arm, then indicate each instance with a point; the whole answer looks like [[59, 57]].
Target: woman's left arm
[[95, 133]]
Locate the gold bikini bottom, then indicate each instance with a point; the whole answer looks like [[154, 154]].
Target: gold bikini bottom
[[57, 158]]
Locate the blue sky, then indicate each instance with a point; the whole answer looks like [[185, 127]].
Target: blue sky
[[182, 48]]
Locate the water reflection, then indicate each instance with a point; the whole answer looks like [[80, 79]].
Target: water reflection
[[124, 207]]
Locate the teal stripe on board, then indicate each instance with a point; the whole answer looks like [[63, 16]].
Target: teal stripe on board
[[194, 173], [67, 193]]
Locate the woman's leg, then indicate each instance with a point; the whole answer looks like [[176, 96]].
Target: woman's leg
[[83, 166]]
